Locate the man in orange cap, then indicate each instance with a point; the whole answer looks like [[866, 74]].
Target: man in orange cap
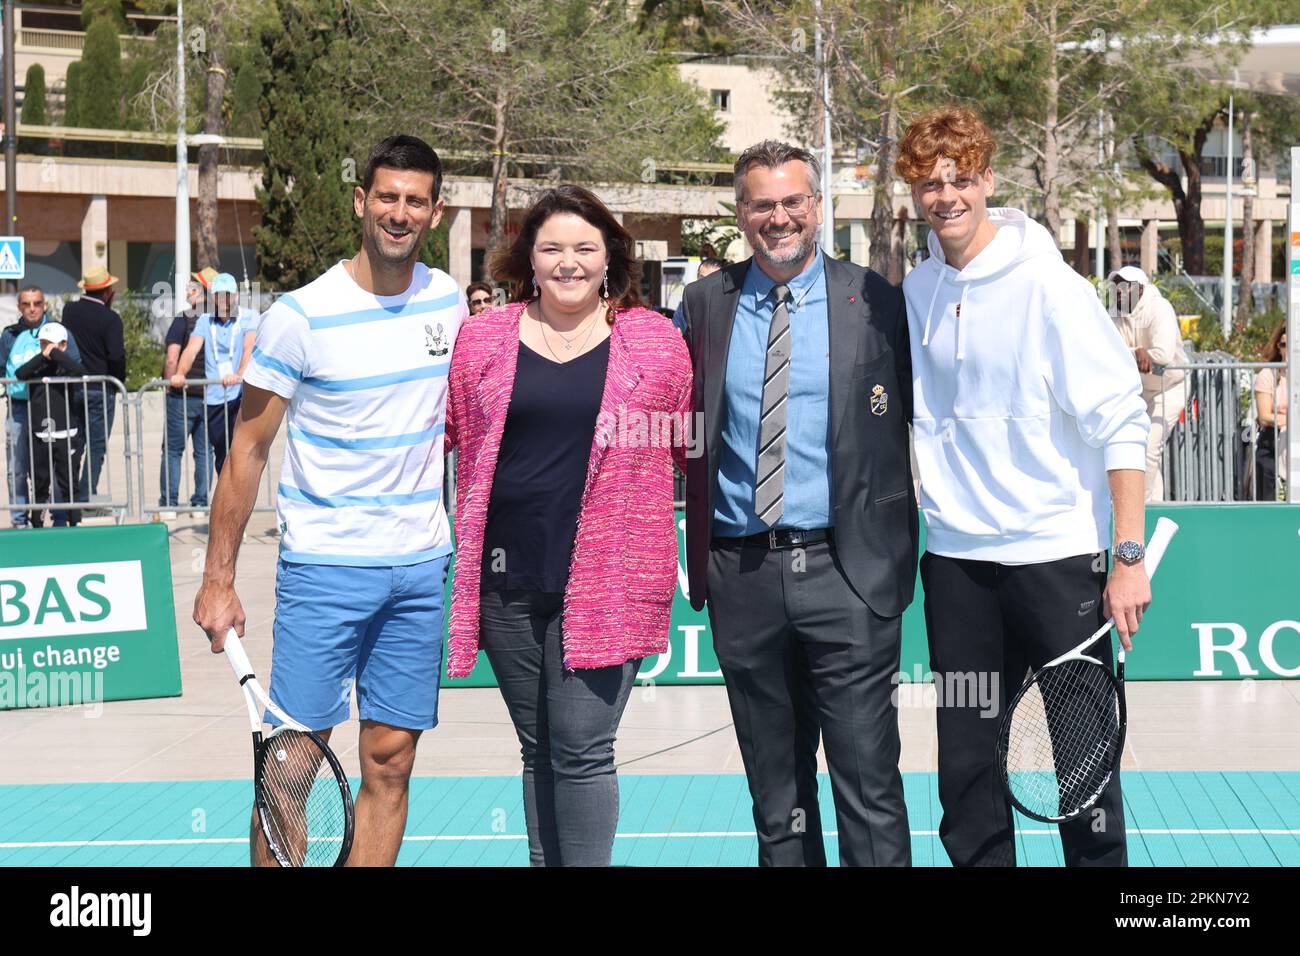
[[98, 330]]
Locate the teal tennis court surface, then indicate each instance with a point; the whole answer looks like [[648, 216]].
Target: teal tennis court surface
[[1248, 818]]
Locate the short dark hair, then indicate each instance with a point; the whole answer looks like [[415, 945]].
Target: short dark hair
[[404, 152], [770, 154], [31, 288], [713, 262], [477, 287], [513, 263]]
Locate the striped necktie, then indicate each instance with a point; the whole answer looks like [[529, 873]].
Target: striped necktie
[[770, 472]]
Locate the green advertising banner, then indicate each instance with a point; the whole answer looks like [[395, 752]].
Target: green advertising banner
[[1226, 606], [86, 615]]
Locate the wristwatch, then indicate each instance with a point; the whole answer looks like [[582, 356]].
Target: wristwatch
[[1130, 552]]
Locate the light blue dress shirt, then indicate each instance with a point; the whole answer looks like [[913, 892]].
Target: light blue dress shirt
[[807, 490]]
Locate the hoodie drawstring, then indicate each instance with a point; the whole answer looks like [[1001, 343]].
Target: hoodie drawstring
[[929, 313]]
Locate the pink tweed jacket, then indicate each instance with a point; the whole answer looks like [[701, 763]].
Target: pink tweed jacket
[[624, 569]]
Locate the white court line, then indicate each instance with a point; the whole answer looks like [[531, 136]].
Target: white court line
[[747, 834]]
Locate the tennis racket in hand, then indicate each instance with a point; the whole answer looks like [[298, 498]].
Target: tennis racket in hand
[[1062, 737], [301, 795]]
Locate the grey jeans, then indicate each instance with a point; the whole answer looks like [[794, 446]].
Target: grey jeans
[[566, 722]]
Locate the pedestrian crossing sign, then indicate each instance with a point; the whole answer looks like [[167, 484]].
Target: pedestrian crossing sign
[[13, 259]]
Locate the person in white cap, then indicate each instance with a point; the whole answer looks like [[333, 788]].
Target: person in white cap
[[56, 421], [226, 340], [1149, 326]]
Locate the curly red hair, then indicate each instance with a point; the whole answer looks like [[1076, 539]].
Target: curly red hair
[[952, 132]]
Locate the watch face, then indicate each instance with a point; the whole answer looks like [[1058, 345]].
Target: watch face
[[1130, 552]]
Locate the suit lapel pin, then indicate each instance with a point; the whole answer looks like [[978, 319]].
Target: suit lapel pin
[[879, 400], [853, 298]]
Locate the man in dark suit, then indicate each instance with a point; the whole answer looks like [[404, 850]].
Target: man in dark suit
[[801, 524], [99, 333]]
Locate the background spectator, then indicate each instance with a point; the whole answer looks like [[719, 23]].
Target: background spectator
[[18, 343], [185, 408], [56, 420], [708, 266], [225, 337], [1150, 329], [1271, 409], [98, 330], [479, 296]]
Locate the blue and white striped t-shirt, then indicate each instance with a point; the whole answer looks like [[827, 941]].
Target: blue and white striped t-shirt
[[366, 379]]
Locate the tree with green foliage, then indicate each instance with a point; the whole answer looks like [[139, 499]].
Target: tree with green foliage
[[887, 61], [72, 95], [244, 104], [1186, 119], [1084, 73], [218, 34], [91, 10], [692, 26], [33, 112], [568, 86], [314, 150], [101, 76]]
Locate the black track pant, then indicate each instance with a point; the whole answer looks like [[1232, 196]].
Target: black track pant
[[988, 624]]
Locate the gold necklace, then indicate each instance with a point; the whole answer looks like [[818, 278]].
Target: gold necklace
[[568, 343]]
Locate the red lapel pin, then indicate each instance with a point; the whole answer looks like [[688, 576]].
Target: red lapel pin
[[853, 298]]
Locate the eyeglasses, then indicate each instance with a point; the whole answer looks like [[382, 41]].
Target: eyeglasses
[[480, 301], [796, 205], [30, 305]]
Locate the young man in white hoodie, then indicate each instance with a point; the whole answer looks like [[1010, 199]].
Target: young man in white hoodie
[[1028, 426]]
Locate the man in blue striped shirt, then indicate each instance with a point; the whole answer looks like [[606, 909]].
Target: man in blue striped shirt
[[357, 360]]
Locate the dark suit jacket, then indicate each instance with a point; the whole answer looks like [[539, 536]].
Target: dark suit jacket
[[871, 468]]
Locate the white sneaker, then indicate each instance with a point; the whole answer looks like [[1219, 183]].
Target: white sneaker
[[166, 516], [198, 514]]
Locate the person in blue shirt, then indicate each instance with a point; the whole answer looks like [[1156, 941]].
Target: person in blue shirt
[[226, 337], [18, 344], [186, 413]]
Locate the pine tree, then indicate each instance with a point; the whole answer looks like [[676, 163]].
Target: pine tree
[[72, 95], [101, 77], [92, 10], [33, 113], [314, 157], [245, 99]]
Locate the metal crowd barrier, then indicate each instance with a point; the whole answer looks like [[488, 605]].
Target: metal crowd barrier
[[1210, 453], [70, 468], [192, 466], [134, 455]]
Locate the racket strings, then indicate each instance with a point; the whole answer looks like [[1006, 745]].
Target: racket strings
[[302, 804], [1062, 739]]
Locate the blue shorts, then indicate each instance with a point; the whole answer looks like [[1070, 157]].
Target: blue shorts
[[379, 629]]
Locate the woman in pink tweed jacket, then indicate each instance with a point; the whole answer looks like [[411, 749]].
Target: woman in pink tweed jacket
[[567, 411]]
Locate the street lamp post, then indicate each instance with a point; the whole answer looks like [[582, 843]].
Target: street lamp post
[[182, 169], [1225, 314]]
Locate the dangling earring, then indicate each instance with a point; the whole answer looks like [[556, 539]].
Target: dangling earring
[[536, 293], [607, 284]]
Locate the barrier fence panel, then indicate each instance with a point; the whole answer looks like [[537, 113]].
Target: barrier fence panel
[[61, 449], [191, 440], [1216, 449]]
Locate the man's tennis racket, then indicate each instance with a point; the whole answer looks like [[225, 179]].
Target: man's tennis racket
[[301, 794], [1063, 735]]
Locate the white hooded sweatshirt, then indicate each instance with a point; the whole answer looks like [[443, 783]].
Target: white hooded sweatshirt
[[1025, 395]]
